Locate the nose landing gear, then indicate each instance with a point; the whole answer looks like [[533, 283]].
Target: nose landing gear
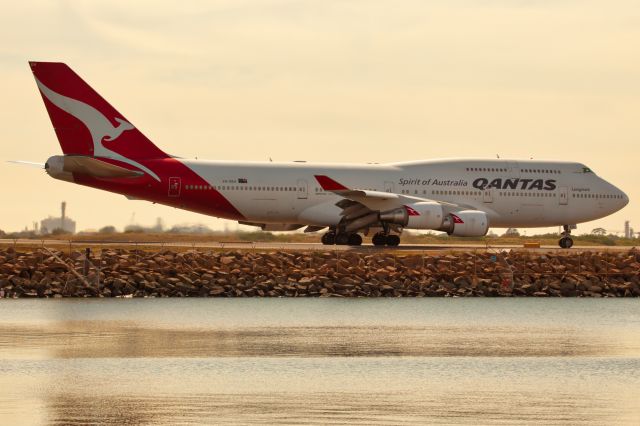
[[566, 241]]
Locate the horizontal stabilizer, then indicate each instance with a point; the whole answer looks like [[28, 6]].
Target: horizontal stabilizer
[[88, 166]]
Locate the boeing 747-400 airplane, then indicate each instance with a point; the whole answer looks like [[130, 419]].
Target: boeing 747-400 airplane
[[462, 197]]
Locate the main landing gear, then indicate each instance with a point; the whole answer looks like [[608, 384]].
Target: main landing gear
[[341, 239], [382, 239], [566, 241]]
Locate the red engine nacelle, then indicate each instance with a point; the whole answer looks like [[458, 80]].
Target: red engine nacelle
[[424, 215], [466, 223], [421, 215]]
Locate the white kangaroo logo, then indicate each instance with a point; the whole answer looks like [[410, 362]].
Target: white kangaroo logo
[[99, 126]]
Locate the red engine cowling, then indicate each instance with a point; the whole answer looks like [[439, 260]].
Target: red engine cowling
[[466, 223], [424, 215], [421, 215]]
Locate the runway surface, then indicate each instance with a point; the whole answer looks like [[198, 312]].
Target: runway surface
[[248, 245]]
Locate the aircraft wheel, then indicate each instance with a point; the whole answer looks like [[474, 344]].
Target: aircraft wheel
[[566, 242], [328, 239], [342, 239], [379, 239], [355, 240], [393, 240]]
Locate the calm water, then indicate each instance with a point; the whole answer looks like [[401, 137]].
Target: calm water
[[330, 361]]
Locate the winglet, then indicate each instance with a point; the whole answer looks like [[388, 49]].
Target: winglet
[[329, 184]]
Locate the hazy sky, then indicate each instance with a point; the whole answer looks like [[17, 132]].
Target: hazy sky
[[345, 81]]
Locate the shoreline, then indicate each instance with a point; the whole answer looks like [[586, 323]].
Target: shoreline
[[48, 273]]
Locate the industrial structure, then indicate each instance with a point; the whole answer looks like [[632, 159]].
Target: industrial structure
[[628, 230], [62, 223]]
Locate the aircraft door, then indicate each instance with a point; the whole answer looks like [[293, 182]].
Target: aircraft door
[[388, 186], [302, 189], [563, 195], [487, 196], [175, 185], [513, 167]]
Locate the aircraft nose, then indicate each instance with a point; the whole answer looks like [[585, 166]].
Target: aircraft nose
[[625, 198], [622, 198]]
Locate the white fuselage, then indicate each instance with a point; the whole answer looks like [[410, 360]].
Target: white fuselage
[[512, 193]]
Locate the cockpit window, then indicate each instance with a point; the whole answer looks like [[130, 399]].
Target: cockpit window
[[586, 170]]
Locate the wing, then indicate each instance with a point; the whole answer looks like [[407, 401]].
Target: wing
[[363, 208], [372, 200]]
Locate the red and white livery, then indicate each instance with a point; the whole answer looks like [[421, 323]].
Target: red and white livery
[[104, 150]]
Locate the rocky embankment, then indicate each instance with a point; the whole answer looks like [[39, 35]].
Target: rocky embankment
[[130, 273]]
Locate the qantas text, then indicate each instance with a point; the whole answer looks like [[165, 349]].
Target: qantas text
[[484, 183], [515, 183]]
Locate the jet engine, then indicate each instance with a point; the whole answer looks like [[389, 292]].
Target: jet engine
[[466, 223], [421, 215]]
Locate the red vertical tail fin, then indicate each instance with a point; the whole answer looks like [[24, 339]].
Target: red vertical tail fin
[[85, 123]]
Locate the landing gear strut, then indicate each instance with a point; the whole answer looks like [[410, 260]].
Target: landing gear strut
[[381, 239], [566, 241]]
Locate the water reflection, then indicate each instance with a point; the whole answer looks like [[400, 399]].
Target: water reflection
[[356, 391], [340, 408], [91, 339], [290, 363]]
